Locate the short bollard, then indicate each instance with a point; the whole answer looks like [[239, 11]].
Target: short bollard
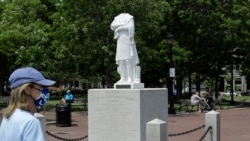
[[156, 130], [212, 119], [42, 121]]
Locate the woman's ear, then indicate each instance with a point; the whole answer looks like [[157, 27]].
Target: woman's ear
[[27, 90]]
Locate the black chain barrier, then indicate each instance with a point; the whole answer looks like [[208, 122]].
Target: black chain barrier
[[186, 132], [208, 129], [65, 139], [170, 135]]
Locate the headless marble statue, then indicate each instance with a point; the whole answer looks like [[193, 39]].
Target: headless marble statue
[[126, 53]]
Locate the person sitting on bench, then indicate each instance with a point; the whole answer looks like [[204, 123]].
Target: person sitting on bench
[[68, 98], [197, 100]]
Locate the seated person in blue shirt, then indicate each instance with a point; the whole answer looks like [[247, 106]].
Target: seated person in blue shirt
[[68, 98]]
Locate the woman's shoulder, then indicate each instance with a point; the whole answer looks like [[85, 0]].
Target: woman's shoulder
[[23, 115], [22, 118]]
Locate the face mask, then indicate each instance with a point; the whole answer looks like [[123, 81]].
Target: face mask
[[42, 99]]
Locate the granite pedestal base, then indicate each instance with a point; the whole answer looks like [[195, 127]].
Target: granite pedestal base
[[122, 114]]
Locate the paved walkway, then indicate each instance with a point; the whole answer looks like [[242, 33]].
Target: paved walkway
[[235, 125], [78, 129]]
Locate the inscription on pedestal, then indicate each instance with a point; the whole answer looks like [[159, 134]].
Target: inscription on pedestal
[[115, 117], [123, 86], [129, 86], [122, 114]]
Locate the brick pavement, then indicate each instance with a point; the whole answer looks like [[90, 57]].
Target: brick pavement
[[234, 125], [78, 129]]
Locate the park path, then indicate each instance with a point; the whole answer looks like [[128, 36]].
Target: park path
[[235, 125]]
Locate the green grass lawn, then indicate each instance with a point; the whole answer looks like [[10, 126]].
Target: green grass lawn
[[237, 98], [52, 104], [56, 100], [225, 103]]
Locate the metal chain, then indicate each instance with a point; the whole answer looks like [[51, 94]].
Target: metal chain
[[186, 132], [208, 129], [65, 139], [170, 135]]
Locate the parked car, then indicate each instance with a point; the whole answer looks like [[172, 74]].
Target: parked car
[[229, 93], [246, 93]]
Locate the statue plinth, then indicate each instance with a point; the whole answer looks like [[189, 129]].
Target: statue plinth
[[122, 114], [129, 85]]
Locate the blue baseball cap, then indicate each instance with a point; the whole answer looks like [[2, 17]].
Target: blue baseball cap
[[28, 75]]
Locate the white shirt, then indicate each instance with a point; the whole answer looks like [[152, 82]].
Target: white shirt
[[21, 126], [195, 99]]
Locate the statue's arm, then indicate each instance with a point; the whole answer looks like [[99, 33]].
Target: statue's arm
[[125, 27], [129, 28]]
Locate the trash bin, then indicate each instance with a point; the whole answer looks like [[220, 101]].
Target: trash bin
[[63, 115]]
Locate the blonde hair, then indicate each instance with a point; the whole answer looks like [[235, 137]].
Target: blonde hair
[[18, 99]]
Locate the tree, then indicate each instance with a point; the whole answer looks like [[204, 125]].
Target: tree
[[24, 36], [71, 40], [82, 34], [207, 29]]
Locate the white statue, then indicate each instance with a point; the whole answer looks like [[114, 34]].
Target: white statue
[[126, 53]]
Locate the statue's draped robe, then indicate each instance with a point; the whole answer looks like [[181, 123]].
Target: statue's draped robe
[[123, 26]]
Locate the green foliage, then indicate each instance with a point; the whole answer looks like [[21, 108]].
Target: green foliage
[[72, 40], [83, 35], [24, 36]]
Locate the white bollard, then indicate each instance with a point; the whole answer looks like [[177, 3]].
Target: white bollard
[[212, 119], [156, 130], [42, 122]]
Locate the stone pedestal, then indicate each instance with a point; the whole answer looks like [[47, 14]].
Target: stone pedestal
[[122, 114]]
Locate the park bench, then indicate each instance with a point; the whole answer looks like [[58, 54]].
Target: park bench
[[186, 103], [220, 102], [81, 102]]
